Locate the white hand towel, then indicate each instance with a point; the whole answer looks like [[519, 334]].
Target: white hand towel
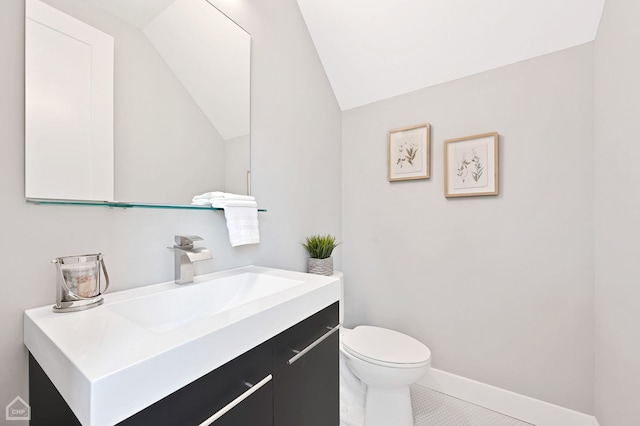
[[206, 197], [220, 203], [230, 196], [242, 223]]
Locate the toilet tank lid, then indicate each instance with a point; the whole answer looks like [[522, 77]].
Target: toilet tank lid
[[386, 345]]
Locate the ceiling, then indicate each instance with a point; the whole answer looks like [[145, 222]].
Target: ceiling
[[207, 52], [376, 49]]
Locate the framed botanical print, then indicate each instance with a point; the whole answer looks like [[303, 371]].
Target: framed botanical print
[[409, 153], [471, 166]]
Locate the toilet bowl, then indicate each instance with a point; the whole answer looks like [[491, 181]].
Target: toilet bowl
[[387, 362], [377, 366]]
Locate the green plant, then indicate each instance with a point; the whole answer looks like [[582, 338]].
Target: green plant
[[320, 246]]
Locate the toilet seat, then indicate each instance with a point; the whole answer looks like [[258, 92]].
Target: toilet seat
[[385, 347]]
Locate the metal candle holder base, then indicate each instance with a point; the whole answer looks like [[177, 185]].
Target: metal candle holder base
[[77, 305]]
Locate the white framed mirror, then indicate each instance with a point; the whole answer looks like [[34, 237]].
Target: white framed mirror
[[175, 122]]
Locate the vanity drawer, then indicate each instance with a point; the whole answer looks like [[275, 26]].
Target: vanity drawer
[[203, 398]]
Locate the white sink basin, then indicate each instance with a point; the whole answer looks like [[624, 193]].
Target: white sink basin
[[143, 344], [181, 306]]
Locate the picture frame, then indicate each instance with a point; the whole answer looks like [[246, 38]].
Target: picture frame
[[471, 166], [409, 153]]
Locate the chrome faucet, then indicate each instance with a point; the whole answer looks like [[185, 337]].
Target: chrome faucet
[[185, 254]]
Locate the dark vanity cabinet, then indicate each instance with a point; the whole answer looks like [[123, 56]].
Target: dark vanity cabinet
[[289, 380], [306, 372]]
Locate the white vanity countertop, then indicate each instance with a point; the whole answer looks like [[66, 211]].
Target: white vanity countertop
[[108, 368]]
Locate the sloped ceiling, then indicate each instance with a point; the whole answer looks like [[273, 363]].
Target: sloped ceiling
[[207, 52], [376, 49]]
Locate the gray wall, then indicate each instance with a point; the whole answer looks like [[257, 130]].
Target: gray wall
[[296, 170], [500, 288], [617, 224]]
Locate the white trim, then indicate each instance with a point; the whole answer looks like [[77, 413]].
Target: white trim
[[518, 406]]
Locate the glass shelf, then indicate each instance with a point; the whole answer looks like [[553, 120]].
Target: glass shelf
[[125, 205]]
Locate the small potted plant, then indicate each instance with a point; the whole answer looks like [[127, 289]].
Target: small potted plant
[[319, 248]]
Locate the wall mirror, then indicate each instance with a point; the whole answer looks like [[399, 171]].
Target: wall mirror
[[142, 101]]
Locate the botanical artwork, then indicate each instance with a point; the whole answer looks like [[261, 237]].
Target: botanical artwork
[[408, 153], [471, 165]]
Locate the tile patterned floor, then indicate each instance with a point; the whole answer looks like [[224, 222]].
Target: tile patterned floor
[[432, 408]]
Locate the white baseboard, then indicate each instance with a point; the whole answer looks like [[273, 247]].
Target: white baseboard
[[518, 406]]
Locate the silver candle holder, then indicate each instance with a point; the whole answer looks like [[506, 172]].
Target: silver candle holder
[[79, 282]]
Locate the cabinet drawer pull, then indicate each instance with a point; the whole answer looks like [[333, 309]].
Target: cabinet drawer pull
[[301, 353], [237, 401]]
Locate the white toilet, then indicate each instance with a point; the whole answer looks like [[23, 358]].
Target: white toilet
[[387, 362]]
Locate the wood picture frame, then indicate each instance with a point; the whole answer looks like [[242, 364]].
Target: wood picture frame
[[471, 166], [409, 153]]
